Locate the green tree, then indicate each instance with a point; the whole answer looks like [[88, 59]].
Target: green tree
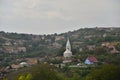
[[45, 72], [22, 77], [107, 72], [29, 77], [118, 46], [5, 79]]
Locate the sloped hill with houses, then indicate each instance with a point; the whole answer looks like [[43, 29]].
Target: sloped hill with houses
[[86, 41]]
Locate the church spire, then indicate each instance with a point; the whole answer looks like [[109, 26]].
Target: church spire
[[68, 46], [67, 53]]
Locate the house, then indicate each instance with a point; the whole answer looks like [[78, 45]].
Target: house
[[112, 49], [36, 38], [91, 47], [75, 35], [9, 50], [20, 42], [32, 61], [104, 35], [22, 49], [3, 72], [105, 44], [48, 40], [91, 60], [57, 38], [56, 45], [88, 36], [8, 43], [15, 66], [23, 64]]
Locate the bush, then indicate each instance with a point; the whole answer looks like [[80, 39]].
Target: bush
[[107, 72]]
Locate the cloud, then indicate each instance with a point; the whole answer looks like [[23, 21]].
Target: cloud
[[58, 14]]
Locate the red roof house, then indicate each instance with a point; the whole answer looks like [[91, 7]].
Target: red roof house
[[91, 60]]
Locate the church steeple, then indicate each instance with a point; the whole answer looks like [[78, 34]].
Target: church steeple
[[67, 53], [68, 46]]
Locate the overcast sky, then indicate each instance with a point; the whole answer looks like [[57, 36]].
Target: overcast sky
[[57, 16]]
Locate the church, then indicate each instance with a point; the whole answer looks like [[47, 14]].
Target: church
[[68, 53]]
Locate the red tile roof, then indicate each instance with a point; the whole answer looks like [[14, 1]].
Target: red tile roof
[[92, 59]]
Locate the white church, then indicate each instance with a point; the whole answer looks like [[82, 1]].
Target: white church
[[68, 53]]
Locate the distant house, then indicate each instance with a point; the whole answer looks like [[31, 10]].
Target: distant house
[[91, 47], [57, 38], [22, 49], [91, 60], [8, 43], [32, 61], [48, 40], [15, 66], [57, 45], [104, 35], [23, 64], [105, 44], [88, 36], [113, 49], [9, 50], [75, 35], [36, 38]]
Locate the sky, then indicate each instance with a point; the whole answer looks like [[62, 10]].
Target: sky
[[57, 16]]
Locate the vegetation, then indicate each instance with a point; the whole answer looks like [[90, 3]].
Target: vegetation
[[107, 72], [15, 48], [47, 72]]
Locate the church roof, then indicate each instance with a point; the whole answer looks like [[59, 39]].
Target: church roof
[[68, 46]]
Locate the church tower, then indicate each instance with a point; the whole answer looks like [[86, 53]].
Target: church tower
[[68, 46], [68, 53]]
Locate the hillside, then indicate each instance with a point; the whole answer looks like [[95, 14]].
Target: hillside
[[87, 40]]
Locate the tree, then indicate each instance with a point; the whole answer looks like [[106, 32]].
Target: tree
[[29, 77], [107, 72], [45, 72], [22, 77], [118, 46], [5, 79]]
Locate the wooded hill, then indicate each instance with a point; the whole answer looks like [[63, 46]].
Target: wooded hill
[[93, 41]]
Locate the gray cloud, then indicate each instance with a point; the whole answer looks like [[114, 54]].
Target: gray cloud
[[56, 16]]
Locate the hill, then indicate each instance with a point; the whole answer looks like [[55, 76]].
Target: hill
[[92, 41]]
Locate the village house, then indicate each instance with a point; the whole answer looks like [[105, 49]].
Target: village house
[[77, 44], [48, 40], [8, 43], [91, 60], [32, 61], [57, 38], [23, 64], [9, 50], [36, 38], [104, 35], [105, 44], [43, 37], [91, 47], [88, 36], [80, 49], [15, 66], [20, 42], [112, 49], [1, 49], [21, 49], [56, 45], [3, 72], [75, 35]]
